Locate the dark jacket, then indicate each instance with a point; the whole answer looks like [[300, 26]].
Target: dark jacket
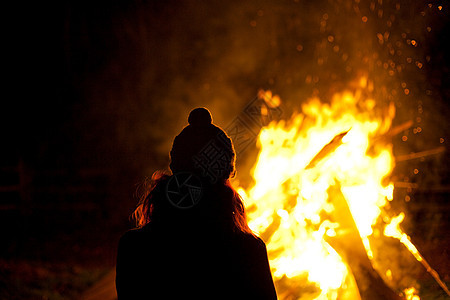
[[181, 261]]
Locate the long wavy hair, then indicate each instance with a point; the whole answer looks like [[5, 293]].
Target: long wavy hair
[[227, 205]]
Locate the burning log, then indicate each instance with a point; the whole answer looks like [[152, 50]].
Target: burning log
[[406, 185], [393, 230], [420, 154], [294, 207], [349, 245], [387, 136], [327, 149], [397, 129], [412, 185]]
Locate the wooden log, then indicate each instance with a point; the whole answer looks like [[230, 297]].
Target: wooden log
[[406, 157], [349, 245], [397, 129], [415, 186], [327, 149]]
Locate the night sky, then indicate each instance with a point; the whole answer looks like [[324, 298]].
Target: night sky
[[113, 82], [97, 91]]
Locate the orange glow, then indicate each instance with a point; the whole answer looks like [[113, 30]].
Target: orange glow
[[393, 230], [271, 100], [410, 294], [291, 202]]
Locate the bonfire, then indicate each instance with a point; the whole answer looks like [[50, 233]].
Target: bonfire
[[320, 196]]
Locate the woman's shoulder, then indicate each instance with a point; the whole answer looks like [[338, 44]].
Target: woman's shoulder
[[250, 240], [135, 235]]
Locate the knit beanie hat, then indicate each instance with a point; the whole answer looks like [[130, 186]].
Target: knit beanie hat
[[203, 148]]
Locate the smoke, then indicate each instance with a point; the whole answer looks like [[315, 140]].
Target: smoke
[[145, 65]]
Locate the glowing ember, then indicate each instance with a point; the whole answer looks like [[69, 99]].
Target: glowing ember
[[411, 294], [291, 202]]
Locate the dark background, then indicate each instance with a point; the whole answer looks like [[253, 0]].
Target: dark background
[[95, 93]]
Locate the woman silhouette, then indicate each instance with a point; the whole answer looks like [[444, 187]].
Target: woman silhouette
[[192, 240]]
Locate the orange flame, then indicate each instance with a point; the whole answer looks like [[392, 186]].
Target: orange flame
[[289, 206], [393, 230], [411, 294]]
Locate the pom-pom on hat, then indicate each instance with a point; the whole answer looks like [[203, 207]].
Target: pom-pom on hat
[[200, 117], [203, 148]]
